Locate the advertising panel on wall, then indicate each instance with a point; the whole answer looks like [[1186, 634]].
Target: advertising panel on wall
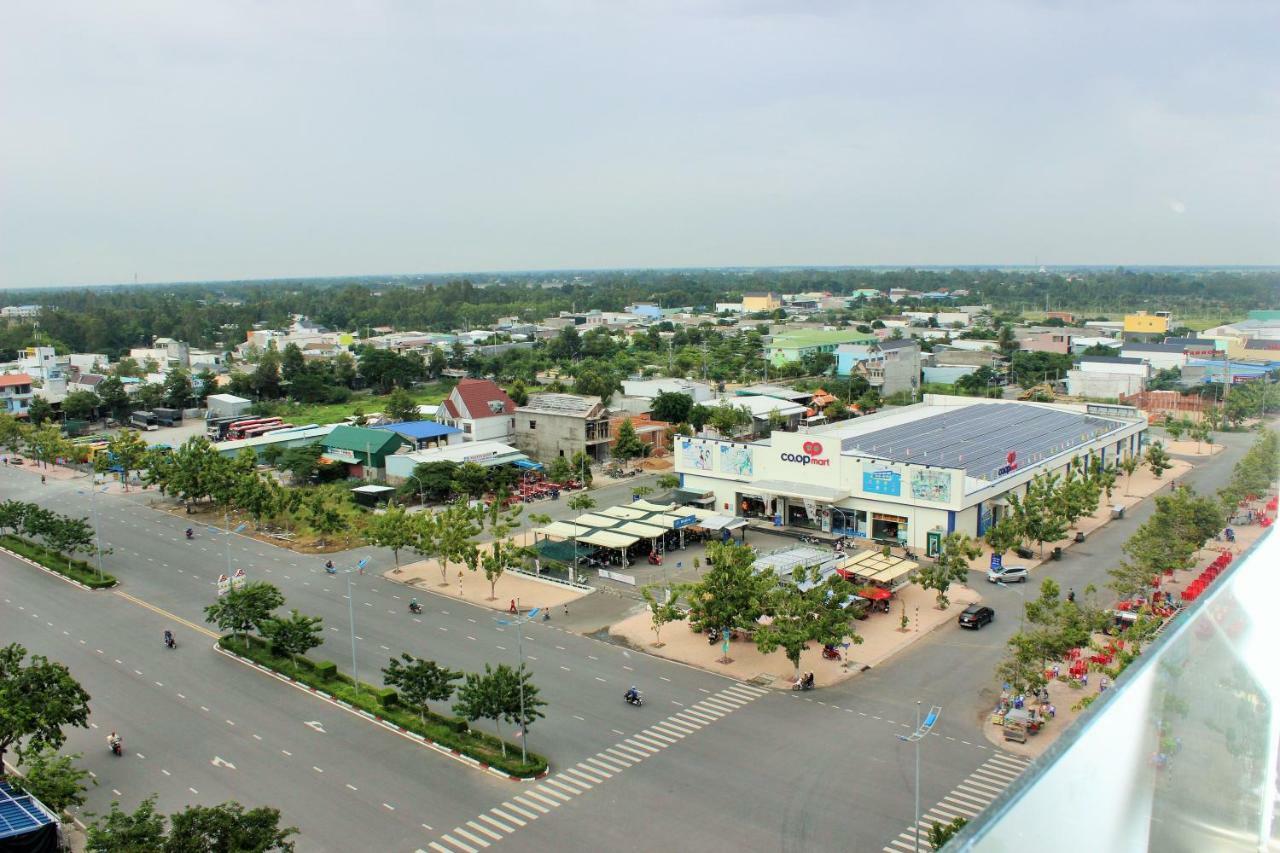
[[695, 455], [736, 460], [881, 481], [929, 485]]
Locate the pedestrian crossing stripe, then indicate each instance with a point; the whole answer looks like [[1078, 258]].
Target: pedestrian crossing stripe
[[571, 782], [966, 800]]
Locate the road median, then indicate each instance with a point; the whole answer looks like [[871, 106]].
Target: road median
[[77, 572]]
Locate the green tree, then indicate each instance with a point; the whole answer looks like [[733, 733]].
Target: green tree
[[323, 515], [727, 418], [940, 833], [69, 536], [37, 701], [1129, 465], [394, 529], [13, 515], [582, 502], [471, 480], [53, 779], [81, 405], [432, 481], [39, 412], [699, 416], [518, 393], [128, 366], [663, 607], [668, 481], [798, 617], [13, 432], [627, 445], [672, 407], [560, 471], [179, 393], [140, 831], [420, 682], [400, 406], [950, 566], [1038, 513], [114, 397], [1004, 535], [244, 609], [292, 362], [294, 635], [228, 828], [495, 695], [127, 451], [301, 463], [731, 594], [457, 527], [47, 444], [1157, 460], [502, 556], [581, 464]]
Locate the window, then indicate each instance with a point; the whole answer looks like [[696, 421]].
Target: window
[[533, 424]]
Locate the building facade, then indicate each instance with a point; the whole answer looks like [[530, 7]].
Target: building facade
[[482, 410], [16, 393], [889, 366], [785, 348], [552, 425]]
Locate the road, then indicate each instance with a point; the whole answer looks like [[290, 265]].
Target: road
[[706, 763]]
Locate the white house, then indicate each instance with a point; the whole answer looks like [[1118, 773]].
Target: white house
[[479, 408]]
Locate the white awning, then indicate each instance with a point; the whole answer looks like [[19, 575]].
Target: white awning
[[592, 520], [609, 539], [624, 512], [644, 531], [805, 491], [722, 522], [564, 530], [652, 507]]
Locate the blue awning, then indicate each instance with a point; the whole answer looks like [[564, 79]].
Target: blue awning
[[528, 464]]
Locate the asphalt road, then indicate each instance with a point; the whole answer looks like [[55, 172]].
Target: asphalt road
[[705, 763]]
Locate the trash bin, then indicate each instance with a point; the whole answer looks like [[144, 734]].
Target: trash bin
[[1057, 554], [1079, 535]]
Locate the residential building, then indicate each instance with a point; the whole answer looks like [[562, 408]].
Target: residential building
[[1108, 377], [909, 475], [20, 312], [1055, 341], [15, 393], [765, 410], [362, 449], [945, 365], [88, 362], [786, 348], [479, 408], [483, 453], [653, 434], [552, 425], [1065, 316], [1147, 327], [866, 293], [42, 364], [424, 434], [755, 302], [699, 392], [890, 366], [1172, 353]]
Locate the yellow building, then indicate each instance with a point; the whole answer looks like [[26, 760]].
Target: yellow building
[[1143, 323], [753, 302]]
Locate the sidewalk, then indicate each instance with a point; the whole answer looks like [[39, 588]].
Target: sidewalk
[[473, 587]]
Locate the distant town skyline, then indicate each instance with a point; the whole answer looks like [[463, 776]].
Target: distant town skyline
[[243, 141]]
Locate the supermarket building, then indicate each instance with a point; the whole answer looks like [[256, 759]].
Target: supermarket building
[[905, 476]]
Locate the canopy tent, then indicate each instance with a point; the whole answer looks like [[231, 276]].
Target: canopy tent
[[784, 561], [823, 573], [624, 512], [666, 522], [689, 496], [564, 530], [722, 522], [528, 464], [652, 507], [875, 593], [893, 574], [644, 531], [609, 539], [875, 567], [591, 520], [561, 552], [694, 510]]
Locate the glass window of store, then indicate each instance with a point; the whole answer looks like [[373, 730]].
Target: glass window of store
[[888, 528], [848, 522]]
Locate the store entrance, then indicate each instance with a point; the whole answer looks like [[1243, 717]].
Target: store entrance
[[752, 506], [890, 529], [798, 516], [848, 522]]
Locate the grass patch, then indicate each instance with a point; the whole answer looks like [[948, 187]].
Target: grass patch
[[448, 731], [77, 570], [429, 394]]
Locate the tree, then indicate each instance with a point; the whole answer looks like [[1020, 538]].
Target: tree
[[1004, 535], [731, 594], [228, 828], [1038, 513], [246, 608], [940, 833], [471, 480], [502, 556], [581, 502], [13, 515], [560, 471], [126, 450], [662, 608], [39, 412], [128, 366], [140, 831], [518, 393], [668, 481], [800, 616], [627, 445], [323, 515], [81, 405], [53, 779], [420, 682], [400, 406], [265, 380], [456, 528], [37, 701], [672, 407], [1158, 460], [950, 566], [69, 536], [495, 695], [1175, 427], [433, 480], [178, 390], [301, 463], [581, 463], [1006, 343], [394, 529], [292, 362], [726, 418], [1129, 465], [294, 635], [13, 432], [205, 384], [699, 416], [47, 444]]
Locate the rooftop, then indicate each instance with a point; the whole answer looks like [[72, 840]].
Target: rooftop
[[979, 438], [419, 429], [368, 439], [1112, 359], [817, 338], [571, 405], [9, 379]]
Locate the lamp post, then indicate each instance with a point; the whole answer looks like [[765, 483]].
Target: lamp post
[[351, 621], [519, 621], [97, 536], [226, 534], [922, 729], [422, 495]]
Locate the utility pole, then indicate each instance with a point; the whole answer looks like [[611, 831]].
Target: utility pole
[[519, 621], [921, 732]]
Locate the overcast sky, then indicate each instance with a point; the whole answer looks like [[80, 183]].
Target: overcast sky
[[212, 140]]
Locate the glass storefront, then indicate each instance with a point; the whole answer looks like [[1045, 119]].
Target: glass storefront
[[848, 522], [888, 528]]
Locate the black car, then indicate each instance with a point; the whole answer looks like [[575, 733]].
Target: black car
[[976, 615]]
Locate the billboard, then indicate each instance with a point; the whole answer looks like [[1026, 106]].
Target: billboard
[[695, 455], [929, 485], [736, 460], [881, 481]]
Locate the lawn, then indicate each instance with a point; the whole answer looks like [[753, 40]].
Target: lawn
[[327, 413]]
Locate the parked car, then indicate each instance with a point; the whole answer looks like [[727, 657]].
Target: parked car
[[16, 460], [1008, 574], [976, 615]]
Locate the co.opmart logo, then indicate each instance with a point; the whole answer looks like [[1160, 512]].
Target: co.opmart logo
[[812, 450]]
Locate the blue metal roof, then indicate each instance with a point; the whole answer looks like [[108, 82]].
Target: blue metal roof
[[419, 429], [20, 813]]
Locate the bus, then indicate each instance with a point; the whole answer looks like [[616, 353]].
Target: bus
[[238, 429], [263, 429]]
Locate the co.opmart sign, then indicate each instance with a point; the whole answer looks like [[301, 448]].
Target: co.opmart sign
[[810, 456]]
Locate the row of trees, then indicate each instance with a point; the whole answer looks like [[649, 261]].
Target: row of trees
[[62, 533], [732, 595]]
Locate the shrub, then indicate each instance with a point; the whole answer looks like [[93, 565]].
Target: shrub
[[325, 669], [78, 570]]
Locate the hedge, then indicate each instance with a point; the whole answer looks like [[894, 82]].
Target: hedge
[[448, 731], [77, 570]]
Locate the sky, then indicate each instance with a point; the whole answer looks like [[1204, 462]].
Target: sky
[[234, 140]]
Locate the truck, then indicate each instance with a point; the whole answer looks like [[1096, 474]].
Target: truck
[[144, 421], [167, 417]]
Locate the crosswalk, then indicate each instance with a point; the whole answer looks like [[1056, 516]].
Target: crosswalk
[[966, 800], [556, 790]]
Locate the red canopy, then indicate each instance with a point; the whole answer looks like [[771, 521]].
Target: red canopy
[[875, 593]]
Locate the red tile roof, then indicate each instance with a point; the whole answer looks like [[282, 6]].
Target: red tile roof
[[14, 379], [470, 399]]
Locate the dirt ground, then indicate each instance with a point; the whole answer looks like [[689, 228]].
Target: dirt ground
[[881, 635], [472, 587], [1186, 447]]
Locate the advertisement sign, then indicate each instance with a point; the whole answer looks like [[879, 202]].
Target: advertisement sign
[[1010, 464], [224, 584], [685, 521], [736, 460], [337, 454], [997, 561], [238, 580], [695, 455], [931, 485], [882, 481]]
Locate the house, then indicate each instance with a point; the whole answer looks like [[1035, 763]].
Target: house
[[786, 348], [765, 410], [755, 302], [1081, 343], [363, 450], [552, 425], [479, 408], [653, 434], [699, 392], [1147, 327], [890, 366], [20, 312], [1065, 316], [1051, 340], [15, 393], [946, 365], [1108, 377], [424, 434], [1162, 356], [645, 310]]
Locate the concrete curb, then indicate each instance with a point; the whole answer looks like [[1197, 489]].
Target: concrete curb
[[374, 718], [57, 575]]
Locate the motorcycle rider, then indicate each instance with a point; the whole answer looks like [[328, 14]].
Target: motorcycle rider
[[168, 638], [190, 532], [113, 743], [632, 695], [414, 607]]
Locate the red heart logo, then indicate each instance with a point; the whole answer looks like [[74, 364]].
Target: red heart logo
[[813, 448]]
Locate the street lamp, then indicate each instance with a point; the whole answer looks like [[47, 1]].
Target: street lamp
[[226, 534], [351, 620], [922, 729], [97, 537], [519, 621], [422, 499]]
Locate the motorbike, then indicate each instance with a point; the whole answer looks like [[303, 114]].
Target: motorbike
[[655, 559], [190, 533], [169, 641], [830, 653], [415, 608], [805, 683], [329, 568], [713, 637], [116, 748], [636, 699]]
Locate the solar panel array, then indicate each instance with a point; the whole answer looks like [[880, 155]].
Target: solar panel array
[[978, 438], [19, 813]]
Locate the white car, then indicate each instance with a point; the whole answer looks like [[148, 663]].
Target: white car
[[1008, 574]]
